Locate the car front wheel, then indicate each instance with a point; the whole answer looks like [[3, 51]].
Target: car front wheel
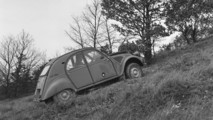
[[133, 71], [64, 97]]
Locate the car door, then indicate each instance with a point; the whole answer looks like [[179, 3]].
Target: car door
[[77, 71], [99, 65]]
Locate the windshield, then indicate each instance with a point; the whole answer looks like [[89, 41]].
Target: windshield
[[45, 70]]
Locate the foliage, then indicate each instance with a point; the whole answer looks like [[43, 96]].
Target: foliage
[[106, 49], [128, 47], [192, 18], [168, 47], [18, 59], [179, 42], [140, 18], [36, 73]]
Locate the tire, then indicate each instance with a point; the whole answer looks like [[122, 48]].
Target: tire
[[133, 70], [64, 97]]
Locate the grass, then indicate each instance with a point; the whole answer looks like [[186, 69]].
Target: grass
[[179, 86]]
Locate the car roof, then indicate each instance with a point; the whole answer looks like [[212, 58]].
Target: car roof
[[78, 50], [69, 53]]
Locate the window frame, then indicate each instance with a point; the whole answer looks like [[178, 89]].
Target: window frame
[[71, 59], [91, 63]]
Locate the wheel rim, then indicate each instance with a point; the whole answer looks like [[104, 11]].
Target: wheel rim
[[135, 72], [65, 95]]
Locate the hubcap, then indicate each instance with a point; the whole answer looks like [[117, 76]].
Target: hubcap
[[65, 95], [135, 73]]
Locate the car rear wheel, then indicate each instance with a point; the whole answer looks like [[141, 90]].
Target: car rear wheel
[[64, 97], [133, 70]]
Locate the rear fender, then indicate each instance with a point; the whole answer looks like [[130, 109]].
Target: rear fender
[[56, 86]]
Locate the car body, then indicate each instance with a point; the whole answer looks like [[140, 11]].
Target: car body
[[84, 68]]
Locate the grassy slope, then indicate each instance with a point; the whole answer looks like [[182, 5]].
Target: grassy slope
[[179, 86]]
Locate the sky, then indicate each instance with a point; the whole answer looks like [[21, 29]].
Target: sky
[[45, 20]]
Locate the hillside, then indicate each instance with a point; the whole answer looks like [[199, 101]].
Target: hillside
[[178, 86]]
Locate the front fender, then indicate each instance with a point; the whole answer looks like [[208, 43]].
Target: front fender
[[128, 60], [56, 86]]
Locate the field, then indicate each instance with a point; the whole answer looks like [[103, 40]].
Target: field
[[178, 86]]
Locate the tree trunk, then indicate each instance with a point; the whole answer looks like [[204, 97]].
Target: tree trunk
[[153, 47], [108, 36], [7, 91], [193, 35], [148, 53], [148, 56], [187, 40], [148, 43], [94, 41], [8, 81], [185, 36]]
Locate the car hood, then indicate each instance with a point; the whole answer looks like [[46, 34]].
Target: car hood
[[120, 57]]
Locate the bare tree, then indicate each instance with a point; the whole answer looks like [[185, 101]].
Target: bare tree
[[26, 59], [18, 58], [7, 60], [93, 21], [110, 35], [92, 29], [85, 30], [76, 33]]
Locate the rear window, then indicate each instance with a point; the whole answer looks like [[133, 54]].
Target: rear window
[[45, 70]]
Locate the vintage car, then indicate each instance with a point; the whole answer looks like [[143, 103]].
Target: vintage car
[[70, 73]]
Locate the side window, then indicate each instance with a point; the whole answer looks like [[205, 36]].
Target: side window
[[92, 56], [75, 61]]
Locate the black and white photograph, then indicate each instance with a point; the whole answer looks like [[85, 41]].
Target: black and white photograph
[[106, 60]]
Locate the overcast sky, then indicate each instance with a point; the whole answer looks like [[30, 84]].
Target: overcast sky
[[45, 20]]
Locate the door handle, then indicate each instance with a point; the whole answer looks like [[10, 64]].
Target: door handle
[[103, 74]]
